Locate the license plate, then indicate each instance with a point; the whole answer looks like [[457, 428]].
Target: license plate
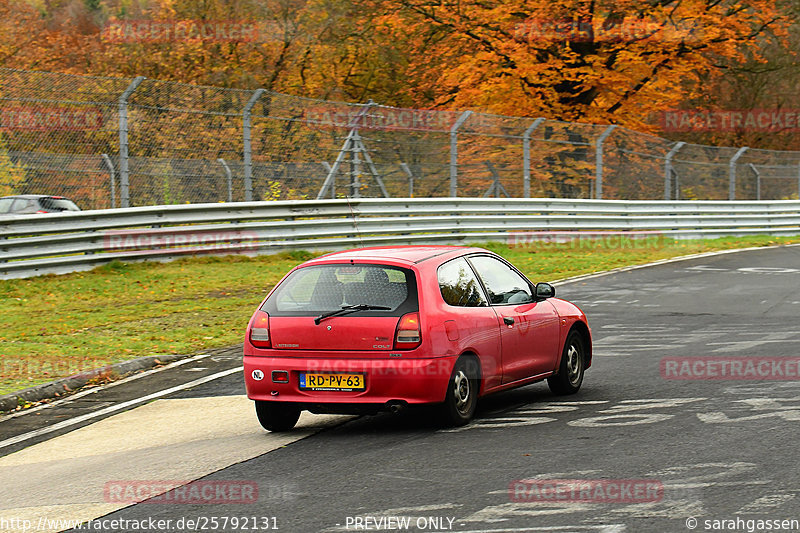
[[340, 382]]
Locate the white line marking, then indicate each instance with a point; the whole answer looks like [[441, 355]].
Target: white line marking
[[610, 528], [770, 501], [116, 407], [631, 346], [583, 277]]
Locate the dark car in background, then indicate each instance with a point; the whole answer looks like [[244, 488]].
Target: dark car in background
[[30, 204]]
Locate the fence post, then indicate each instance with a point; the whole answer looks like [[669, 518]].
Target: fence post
[[598, 162], [454, 152], [124, 183], [229, 176], [355, 169], [348, 146], [328, 169], [410, 179], [732, 173], [248, 152], [758, 180], [526, 157], [668, 170], [113, 175]]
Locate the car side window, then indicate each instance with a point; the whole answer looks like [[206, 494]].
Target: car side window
[[504, 284], [21, 204], [459, 286], [5, 204]]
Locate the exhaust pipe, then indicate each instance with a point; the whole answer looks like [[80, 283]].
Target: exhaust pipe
[[396, 406]]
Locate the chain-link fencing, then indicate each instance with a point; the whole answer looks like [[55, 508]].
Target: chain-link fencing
[[116, 142]]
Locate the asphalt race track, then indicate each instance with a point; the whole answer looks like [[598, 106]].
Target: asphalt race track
[[642, 447]]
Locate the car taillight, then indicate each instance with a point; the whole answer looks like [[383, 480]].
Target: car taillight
[[259, 330], [408, 332]]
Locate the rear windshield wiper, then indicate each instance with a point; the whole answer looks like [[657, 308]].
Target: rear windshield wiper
[[350, 309]]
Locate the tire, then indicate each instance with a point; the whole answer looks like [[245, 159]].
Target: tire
[[277, 416], [569, 378], [462, 393]]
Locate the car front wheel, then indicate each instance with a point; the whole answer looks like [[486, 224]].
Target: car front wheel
[[570, 372], [277, 416]]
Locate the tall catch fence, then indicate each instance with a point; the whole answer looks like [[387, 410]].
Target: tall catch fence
[[117, 142]]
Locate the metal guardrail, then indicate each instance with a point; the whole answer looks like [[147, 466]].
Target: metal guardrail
[[66, 242]]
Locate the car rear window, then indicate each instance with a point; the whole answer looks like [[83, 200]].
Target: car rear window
[[315, 289], [57, 204]]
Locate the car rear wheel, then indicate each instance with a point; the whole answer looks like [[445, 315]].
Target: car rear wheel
[[277, 416], [462, 393], [573, 363]]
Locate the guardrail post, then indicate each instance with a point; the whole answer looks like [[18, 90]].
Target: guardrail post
[[454, 152], [668, 170], [526, 157], [124, 183], [248, 152], [229, 176], [598, 161], [732, 172], [113, 176]]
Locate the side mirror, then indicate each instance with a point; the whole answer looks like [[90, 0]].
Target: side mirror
[[545, 291]]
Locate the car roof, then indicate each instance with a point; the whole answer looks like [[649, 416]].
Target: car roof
[[35, 196], [407, 254]]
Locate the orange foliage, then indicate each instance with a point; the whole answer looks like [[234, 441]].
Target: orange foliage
[[617, 62], [606, 62]]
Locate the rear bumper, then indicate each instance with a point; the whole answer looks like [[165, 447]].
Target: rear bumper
[[411, 381]]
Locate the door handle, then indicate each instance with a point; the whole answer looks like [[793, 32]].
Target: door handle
[[508, 321]]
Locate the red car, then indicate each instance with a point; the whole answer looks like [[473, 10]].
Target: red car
[[385, 328]]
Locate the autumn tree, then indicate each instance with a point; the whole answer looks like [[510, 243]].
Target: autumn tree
[[762, 80], [575, 60]]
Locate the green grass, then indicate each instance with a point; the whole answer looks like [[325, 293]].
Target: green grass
[[56, 326]]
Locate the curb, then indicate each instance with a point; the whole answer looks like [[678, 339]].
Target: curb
[[64, 386]]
